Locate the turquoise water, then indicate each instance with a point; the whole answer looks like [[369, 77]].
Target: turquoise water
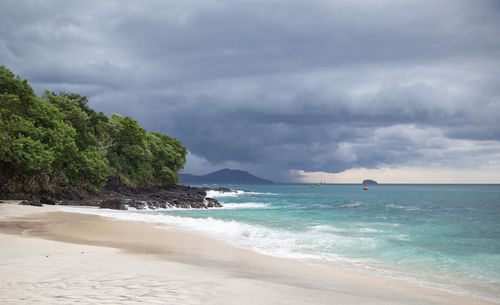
[[444, 236]]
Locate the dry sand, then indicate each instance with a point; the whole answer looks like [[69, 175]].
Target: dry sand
[[52, 257]]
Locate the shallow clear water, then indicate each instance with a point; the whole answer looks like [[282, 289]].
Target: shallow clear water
[[445, 236]]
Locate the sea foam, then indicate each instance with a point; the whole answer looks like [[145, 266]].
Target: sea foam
[[243, 205], [310, 244], [233, 193], [215, 194]]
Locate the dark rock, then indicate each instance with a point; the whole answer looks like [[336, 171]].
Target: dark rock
[[115, 204], [369, 182], [213, 203], [32, 203], [91, 202], [136, 204], [116, 195], [48, 200]]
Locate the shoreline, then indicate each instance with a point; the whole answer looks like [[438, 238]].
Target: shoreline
[[242, 273]]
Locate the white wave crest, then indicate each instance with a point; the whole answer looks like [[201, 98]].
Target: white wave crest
[[243, 205], [326, 228], [352, 204], [407, 208], [214, 194], [334, 206], [234, 193], [331, 229]]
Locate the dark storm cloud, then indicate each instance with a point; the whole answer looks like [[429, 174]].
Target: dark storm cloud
[[270, 86]]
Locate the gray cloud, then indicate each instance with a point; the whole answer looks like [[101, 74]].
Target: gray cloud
[[270, 86]]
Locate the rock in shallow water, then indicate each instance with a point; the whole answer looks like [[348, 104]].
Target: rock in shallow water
[[213, 203], [123, 204]]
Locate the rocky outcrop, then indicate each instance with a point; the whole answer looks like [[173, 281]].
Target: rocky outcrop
[[31, 202], [120, 197], [175, 196], [125, 204], [48, 200], [115, 204]]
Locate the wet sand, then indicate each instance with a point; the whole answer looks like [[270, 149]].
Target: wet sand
[[54, 257]]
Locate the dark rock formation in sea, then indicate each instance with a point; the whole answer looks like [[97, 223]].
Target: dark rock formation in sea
[[369, 182], [223, 176]]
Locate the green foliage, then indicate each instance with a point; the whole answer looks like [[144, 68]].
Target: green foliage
[[57, 140], [169, 154], [11, 84], [130, 155]]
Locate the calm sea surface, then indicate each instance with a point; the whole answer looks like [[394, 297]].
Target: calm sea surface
[[445, 236]]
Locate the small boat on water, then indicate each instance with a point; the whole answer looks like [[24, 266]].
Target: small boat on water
[[365, 187]]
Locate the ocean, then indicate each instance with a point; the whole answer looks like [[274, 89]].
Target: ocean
[[440, 236]]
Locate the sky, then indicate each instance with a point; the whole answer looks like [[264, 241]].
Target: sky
[[294, 91]]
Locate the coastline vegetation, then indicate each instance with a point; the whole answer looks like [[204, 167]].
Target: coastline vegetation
[[57, 140]]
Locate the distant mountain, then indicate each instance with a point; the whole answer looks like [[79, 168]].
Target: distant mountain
[[368, 181], [223, 176]]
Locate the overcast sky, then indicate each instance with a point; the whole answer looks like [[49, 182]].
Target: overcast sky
[[334, 91]]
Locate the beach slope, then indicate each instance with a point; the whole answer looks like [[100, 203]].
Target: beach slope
[[54, 257]]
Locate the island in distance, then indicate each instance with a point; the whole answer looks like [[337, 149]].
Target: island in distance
[[369, 182], [223, 176]]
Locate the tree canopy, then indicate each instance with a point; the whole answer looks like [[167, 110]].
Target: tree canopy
[[57, 140]]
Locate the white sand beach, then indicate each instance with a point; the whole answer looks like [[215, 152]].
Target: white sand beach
[[52, 257]]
